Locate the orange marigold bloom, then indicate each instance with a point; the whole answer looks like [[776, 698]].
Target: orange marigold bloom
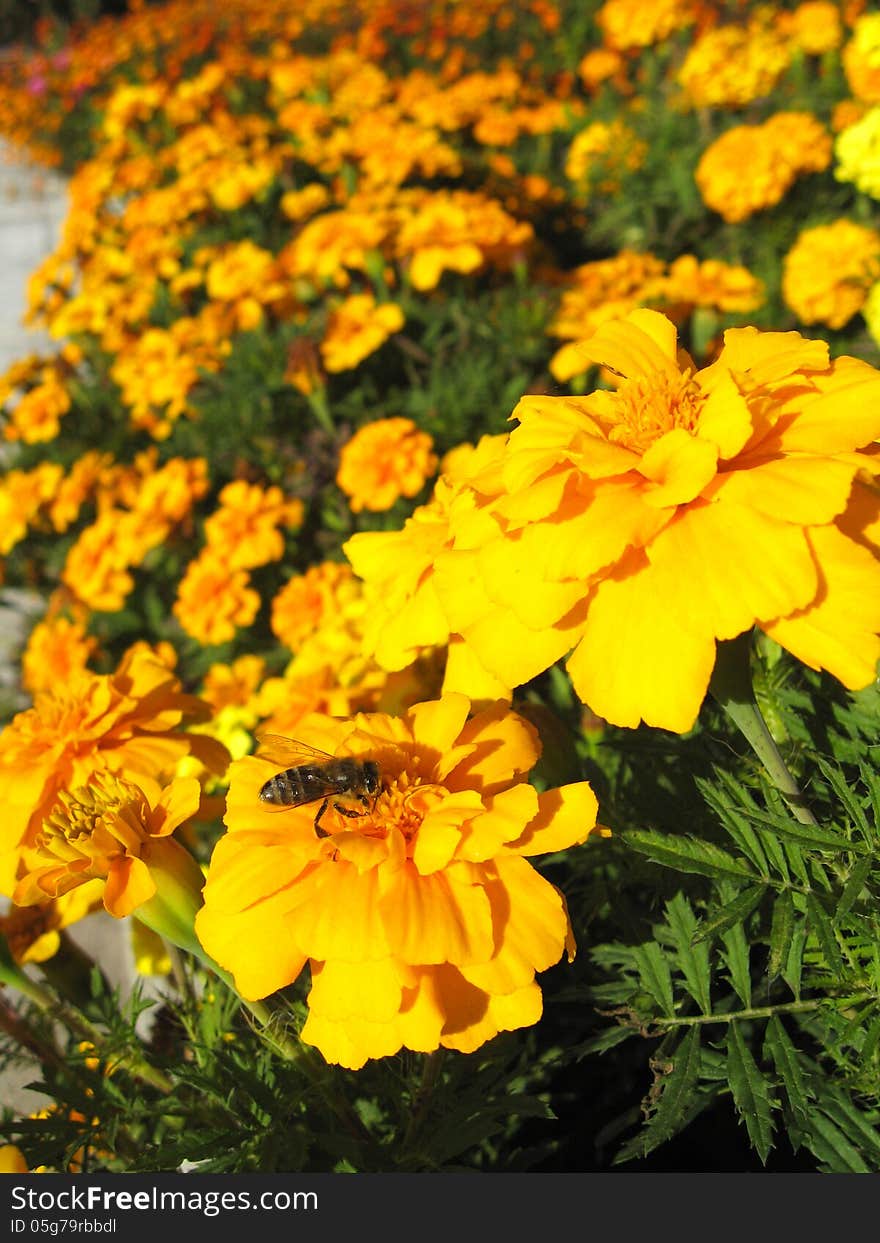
[[214, 599], [629, 24], [861, 59], [243, 530], [307, 600], [814, 27], [457, 231], [633, 529], [601, 153], [730, 66], [383, 461], [57, 649], [33, 933], [23, 494], [132, 722], [775, 153], [111, 831], [37, 414], [422, 920], [828, 272], [357, 328]]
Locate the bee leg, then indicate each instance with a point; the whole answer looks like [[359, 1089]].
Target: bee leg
[[348, 811], [321, 832]]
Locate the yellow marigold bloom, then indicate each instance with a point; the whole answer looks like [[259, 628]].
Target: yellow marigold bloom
[[77, 486], [307, 600], [111, 831], [233, 684], [627, 24], [857, 151], [871, 313], [96, 567], [131, 722], [301, 204], [383, 461], [712, 284], [601, 153], [775, 153], [213, 599], [633, 529], [814, 27], [457, 231], [602, 65], [829, 270], [731, 66], [243, 530], [57, 649], [37, 415], [357, 328], [861, 59], [23, 494], [422, 920]]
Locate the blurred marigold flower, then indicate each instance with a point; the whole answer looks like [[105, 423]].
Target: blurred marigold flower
[[857, 151], [814, 27], [57, 649], [132, 722], [110, 830], [307, 600], [243, 529], [214, 599], [383, 461], [635, 528], [775, 153], [357, 328], [861, 59], [829, 270], [33, 932], [730, 65], [12, 1160], [627, 24], [423, 921]]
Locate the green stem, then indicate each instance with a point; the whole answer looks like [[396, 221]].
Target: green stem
[[759, 1012], [731, 686], [430, 1073]]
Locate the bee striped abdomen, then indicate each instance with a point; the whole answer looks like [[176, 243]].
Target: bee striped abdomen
[[295, 786]]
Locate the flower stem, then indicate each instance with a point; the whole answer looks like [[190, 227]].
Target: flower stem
[[731, 686], [758, 1012]]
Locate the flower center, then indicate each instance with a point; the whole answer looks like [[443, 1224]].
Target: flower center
[[647, 408]]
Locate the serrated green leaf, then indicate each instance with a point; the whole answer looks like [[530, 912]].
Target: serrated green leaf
[[806, 834], [678, 1105], [693, 959], [830, 1145], [781, 932], [607, 1039], [871, 1040], [736, 956], [844, 791], [688, 854], [655, 975], [734, 912], [853, 887], [785, 1058], [854, 1124], [751, 1095], [820, 925], [794, 963]]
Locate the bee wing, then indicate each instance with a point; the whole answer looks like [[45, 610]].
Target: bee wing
[[287, 752]]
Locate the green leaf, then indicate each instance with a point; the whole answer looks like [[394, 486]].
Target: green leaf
[[750, 1093], [693, 958], [605, 1040], [853, 887], [735, 912], [688, 854], [854, 1123], [830, 1145], [807, 834], [655, 975], [679, 1102], [736, 956], [844, 791], [781, 932], [820, 924], [794, 962], [785, 1058]]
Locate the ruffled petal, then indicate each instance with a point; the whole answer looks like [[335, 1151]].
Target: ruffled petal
[[566, 817], [129, 884]]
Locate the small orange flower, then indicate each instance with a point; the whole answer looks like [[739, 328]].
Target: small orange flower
[[384, 460], [423, 921], [356, 329]]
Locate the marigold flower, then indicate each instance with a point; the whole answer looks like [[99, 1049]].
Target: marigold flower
[[829, 270], [602, 153], [243, 530], [12, 1160], [132, 722], [357, 328], [422, 920], [730, 66], [635, 528], [857, 151], [383, 461], [33, 932], [110, 830], [814, 27], [861, 59], [57, 649], [627, 24], [307, 600], [213, 599], [775, 153]]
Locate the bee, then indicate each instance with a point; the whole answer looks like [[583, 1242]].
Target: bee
[[316, 775]]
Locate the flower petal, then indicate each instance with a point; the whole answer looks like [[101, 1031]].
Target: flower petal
[[566, 817], [809, 491], [129, 884], [444, 917], [680, 465], [367, 990], [504, 745]]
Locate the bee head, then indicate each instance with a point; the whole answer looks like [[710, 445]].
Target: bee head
[[372, 777]]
